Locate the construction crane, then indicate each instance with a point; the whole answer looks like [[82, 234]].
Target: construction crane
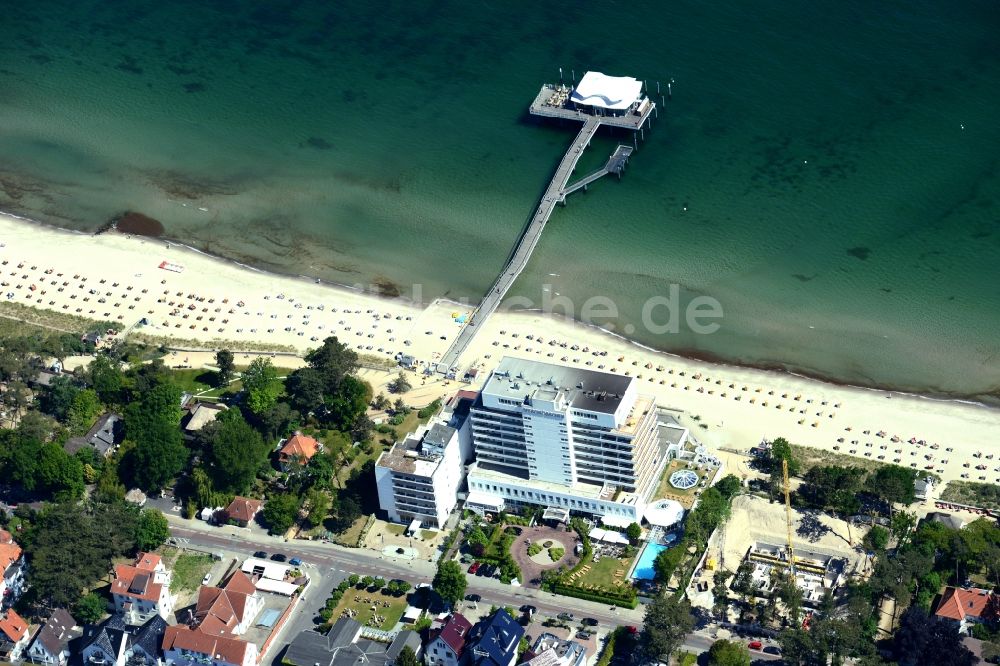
[[788, 515]]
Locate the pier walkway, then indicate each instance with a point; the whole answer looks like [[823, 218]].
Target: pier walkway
[[547, 104], [616, 164]]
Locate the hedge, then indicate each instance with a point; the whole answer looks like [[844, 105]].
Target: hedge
[[626, 601], [609, 646]]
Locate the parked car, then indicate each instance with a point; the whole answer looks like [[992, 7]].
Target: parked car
[[566, 617], [295, 561], [583, 635], [260, 555], [473, 597], [772, 649], [755, 645], [589, 621], [474, 568], [528, 609], [279, 557], [208, 577]]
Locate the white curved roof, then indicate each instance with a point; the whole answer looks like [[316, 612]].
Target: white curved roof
[[664, 513], [607, 92]]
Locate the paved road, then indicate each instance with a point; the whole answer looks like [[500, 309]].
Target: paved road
[[370, 562], [333, 563]]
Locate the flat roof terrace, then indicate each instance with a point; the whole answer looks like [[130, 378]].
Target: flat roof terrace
[[553, 101]]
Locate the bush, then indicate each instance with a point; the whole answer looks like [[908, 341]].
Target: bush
[[534, 549], [430, 410], [556, 554], [378, 583], [547, 544]]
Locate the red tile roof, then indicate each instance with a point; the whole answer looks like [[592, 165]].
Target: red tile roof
[[138, 576], [229, 650], [220, 610], [958, 604], [299, 446], [13, 626], [243, 509], [9, 554], [455, 631]]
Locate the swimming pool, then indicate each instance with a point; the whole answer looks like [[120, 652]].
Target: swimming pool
[[644, 567]]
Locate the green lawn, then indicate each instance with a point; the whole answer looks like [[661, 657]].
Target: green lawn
[[361, 602], [189, 571], [393, 528], [685, 497], [602, 574]]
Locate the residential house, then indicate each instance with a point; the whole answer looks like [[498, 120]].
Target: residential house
[[550, 650], [923, 487], [200, 416], [104, 436], [967, 607], [14, 635], [142, 589], [296, 450], [447, 643], [117, 643], [51, 643], [184, 646], [12, 569], [241, 511], [343, 645], [229, 610], [493, 641], [220, 615]]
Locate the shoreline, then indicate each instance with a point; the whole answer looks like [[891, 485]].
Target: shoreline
[[988, 400], [217, 302]]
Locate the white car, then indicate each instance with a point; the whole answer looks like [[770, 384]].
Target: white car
[[208, 577]]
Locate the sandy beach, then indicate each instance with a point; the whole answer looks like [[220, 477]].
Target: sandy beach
[[118, 278]]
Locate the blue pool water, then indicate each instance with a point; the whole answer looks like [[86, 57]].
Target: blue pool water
[[644, 568]]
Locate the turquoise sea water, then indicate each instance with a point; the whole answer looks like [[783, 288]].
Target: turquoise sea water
[[838, 162]]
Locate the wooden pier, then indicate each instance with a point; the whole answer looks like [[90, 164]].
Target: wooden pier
[[547, 104]]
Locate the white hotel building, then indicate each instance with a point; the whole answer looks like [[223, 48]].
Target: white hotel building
[[564, 437], [420, 477]]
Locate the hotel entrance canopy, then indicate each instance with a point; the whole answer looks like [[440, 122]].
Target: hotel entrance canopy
[[607, 92]]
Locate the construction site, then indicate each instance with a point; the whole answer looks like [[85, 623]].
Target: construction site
[[827, 551]]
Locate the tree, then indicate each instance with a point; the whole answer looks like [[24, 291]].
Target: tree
[[280, 512], [90, 608], [319, 507], [361, 429], [224, 361], [152, 423], [833, 488], [894, 484], [350, 401], [877, 539], [720, 594], [449, 581], [666, 623], [152, 530], [406, 657], [399, 385], [729, 485], [82, 412], [781, 450], [923, 640], [728, 653], [97, 533], [665, 563], [260, 381], [107, 379], [633, 532], [236, 452], [58, 396]]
